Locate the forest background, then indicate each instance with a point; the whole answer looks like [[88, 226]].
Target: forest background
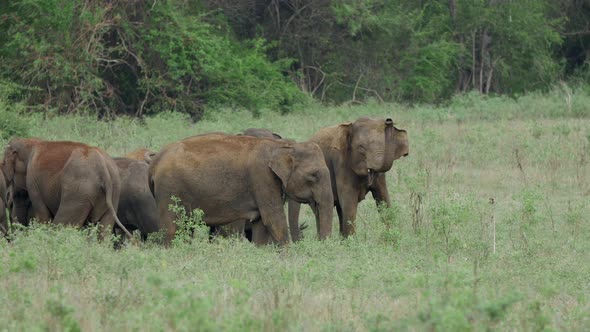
[[144, 57]]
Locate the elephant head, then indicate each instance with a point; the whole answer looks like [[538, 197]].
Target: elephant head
[[306, 179], [16, 157], [374, 144], [14, 167]]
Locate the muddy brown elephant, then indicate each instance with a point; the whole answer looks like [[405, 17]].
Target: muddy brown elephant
[[357, 154], [241, 228], [240, 178], [137, 207], [68, 182]]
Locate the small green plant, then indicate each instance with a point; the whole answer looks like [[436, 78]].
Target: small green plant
[[61, 315], [447, 215], [11, 124], [537, 131], [575, 215], [495, 310], [189, 227], [391, 219], [527, 215], [530, 198]]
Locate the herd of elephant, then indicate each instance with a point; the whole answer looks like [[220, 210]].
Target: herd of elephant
[[241, 181]]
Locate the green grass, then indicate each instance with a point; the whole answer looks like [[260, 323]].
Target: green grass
[[531, 155]]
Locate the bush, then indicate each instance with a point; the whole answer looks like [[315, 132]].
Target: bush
[[189, 227], [137, 57], [11, 124]]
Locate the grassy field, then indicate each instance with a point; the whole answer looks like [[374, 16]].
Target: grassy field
[[443, 258]]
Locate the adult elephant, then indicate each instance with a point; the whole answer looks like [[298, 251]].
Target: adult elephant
[[137, 206], [68, 182], [240, 178], [241, 228], [357, 154]]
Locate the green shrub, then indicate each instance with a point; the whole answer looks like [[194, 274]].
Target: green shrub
[[12, 125], [189, 227], [448, 213], [137, 58], [391, 219]]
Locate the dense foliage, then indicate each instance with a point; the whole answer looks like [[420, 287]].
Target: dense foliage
[[139, 57]]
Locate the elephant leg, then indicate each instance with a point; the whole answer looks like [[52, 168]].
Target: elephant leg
[[72, 212], [347, 214], [18, 207], [248, 231], [272, 212], [3, 219], [260, 234], [40, 210], [294, 209], [166, 222], [339, 211], [379, 190], [107, 223], [276, 225]]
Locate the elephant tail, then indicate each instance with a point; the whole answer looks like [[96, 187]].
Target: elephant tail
[[110, 175], [119, 223], [151, 183], [154, 160]]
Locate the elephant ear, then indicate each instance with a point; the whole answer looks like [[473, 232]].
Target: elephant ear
[[343, 136], [282, 164], [9, 163], [148, 156]]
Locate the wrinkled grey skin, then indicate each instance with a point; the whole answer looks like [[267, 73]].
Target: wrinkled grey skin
[[357, 154], [234, 178], [242, 228], [137, 207]]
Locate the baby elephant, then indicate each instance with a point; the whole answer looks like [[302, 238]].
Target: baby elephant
[[137, 207], [240, 178]]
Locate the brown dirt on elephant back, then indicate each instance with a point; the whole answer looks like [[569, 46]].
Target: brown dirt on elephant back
[[52, 156]]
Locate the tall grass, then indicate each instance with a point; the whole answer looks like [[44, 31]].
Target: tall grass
[[517, 264]]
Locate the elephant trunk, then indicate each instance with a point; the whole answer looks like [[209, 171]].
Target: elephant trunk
[[389, 155], [324, 210]]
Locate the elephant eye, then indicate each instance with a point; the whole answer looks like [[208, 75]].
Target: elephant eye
[[313, 177]]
